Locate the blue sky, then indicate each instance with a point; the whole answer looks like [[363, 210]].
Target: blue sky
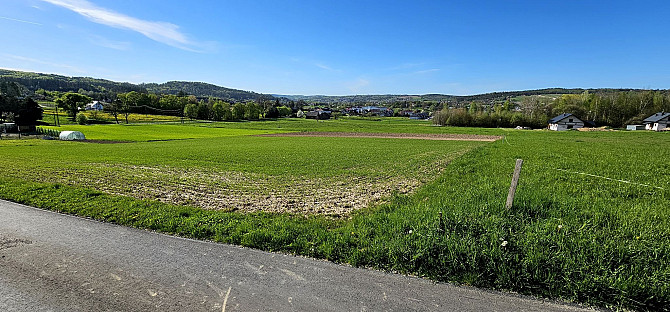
[[345, 47]]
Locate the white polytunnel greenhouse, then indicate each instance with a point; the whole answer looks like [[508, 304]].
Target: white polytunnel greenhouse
[[71, 136]]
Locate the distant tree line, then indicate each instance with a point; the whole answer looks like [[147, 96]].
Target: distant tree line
[[218, 110], [190, 106], [614, 109]]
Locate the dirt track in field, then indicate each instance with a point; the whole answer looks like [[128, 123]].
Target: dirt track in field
[[419, 136]]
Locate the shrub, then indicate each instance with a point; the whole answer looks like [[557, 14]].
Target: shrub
[[81, 119]]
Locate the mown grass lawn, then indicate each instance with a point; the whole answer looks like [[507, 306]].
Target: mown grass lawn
[[601, 239]]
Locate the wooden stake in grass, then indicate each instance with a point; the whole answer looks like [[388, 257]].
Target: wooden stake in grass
[[515, 182]]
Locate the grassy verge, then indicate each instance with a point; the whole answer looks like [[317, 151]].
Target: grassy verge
[[601, 239]]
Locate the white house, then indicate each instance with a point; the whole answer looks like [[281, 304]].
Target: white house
[[564, 122], [95, 105], [657, 122]]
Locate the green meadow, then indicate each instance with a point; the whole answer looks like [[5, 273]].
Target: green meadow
[[590, 222], [149, 132]]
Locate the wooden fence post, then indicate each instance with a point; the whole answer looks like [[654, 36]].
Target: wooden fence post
[[515, 182]]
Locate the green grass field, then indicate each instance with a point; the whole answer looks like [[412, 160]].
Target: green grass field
[[149, 132], [590, 224], [220, 168]]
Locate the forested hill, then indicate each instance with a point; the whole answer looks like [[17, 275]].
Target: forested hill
[[104, 88], [202, 89], [107, 89], [485, 98], [51, 82]]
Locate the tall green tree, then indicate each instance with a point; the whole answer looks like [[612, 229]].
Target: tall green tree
[[252, 111], [114, 108], [71, 102], [272, 112], [238, 111], [221, 111], [125, 104], [191, 111], [10, 93], [203, 111], [29, 113]]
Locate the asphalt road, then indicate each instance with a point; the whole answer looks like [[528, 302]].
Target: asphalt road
[[54, 262]]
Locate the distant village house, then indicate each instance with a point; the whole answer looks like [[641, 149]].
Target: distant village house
[[564, 122], [95, 105], [318, 114], [657, 122], [369, 110]]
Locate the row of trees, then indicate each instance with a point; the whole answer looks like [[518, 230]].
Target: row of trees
[[221, 111], [175, 105], [614, 109], [500, 118]]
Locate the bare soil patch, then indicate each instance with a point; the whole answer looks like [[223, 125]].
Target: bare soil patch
[[419, 136], [335, 195]]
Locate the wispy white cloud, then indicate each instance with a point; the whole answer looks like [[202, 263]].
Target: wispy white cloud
[[326, 67], [357, 85], [316, 63], [106, 43], [162, 32], [426, 71], [319, 65], [27, 61], [406, 66], [20, 21]]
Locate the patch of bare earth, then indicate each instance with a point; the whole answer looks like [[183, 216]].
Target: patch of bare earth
[[235, 191], [248, 192], [210, 188], [420, 136]]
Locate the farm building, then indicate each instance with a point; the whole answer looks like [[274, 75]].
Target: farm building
[[319, 115], [657, 122], [95, 105], [419, 116], [634, 127], [564, 122], [8, 127]]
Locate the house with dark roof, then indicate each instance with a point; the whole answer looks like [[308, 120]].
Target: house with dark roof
[[318, 115], [657, 122], [564, 122]]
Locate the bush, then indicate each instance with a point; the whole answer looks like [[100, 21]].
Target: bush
[[81, 119]]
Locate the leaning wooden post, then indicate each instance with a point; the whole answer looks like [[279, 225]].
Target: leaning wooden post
[[515, 182]]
